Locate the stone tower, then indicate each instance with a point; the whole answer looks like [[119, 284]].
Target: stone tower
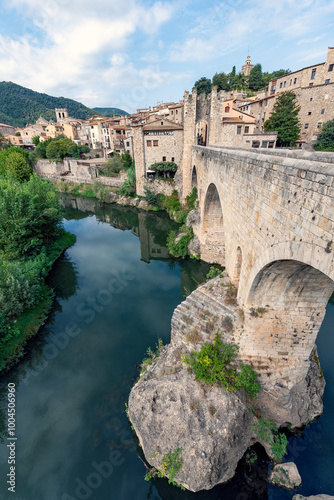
[[247, 68], [61, 114]]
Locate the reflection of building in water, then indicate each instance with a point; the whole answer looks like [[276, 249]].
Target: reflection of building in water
[[149, 249]]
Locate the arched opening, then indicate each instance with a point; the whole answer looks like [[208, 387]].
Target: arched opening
[[288, 302], [201, 133], [237, 267], [194, 178], [213, 226], [285, 281]]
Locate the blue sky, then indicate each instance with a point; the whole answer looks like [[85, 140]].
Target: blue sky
[[134, 53]]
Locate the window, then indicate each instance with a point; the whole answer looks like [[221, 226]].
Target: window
[[330, 67], [239, 129], [309, 113], [128, 144], [322, 111], [290, 82], [162, 123], [227, 109], [295, 81], [319, 124], [176, 111], [306, 125], [271, 144], [247, 129], [281, 85], [173, 159], [284, 84], [155, 143], [264, 144], [172, 112], [311, 84], [313, 74], [255, 144], [164, 158], [311, 98], [327, 81], [149, 143]]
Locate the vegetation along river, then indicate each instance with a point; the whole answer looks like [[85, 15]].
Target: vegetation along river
[[116, 290]]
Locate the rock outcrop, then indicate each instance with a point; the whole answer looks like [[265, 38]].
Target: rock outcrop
[[286, 476], [313, 497], [169, 409]]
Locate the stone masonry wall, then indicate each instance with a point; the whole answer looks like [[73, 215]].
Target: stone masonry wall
[[273, 210], [74, 171]]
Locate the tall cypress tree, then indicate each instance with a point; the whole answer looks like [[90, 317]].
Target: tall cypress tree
[[284, 120], [255, 81]]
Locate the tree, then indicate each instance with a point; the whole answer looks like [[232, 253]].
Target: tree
[[255, 78], [325, 140], [112, 166], [35, 140], [203, 85], [14, 161], [221, 80], [18, 167], [284, 119], [31, 215], [126, 160]]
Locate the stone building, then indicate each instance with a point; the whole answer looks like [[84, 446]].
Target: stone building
[[156, 141], [6, 129], [318, 74]]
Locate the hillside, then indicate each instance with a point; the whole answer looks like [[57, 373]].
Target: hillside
[[110, 111], [20, 106]]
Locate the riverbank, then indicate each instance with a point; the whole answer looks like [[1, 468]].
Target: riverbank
[[18, 331]]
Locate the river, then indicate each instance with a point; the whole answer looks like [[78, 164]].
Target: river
[[116, 290]]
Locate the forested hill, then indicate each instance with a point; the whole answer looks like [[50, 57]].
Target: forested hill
[[110, 111], [20, 106]]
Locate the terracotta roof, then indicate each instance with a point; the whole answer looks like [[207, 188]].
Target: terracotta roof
[[4, 125]]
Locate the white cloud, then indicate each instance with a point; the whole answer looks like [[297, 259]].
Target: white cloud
[[225, 27], [81, 46]]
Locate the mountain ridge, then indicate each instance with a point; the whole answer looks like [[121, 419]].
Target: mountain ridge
[[20, 106]]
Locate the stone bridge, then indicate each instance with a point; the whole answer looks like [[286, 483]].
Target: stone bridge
[[268, 217]]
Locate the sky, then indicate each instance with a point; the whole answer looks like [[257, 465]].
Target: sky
[[135, 53]]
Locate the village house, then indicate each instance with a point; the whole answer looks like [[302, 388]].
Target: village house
[[6, 129], [314, 90]]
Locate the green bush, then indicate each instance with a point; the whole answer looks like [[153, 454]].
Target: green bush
[[152, 197], [128, 188], [111, 167], [191, 199], [267, 431], [7, 330], [101, 192], [213, 273], [212, 364], [179, 248]]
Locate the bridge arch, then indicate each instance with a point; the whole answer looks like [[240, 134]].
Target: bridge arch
[[235, 278], [213, 224], [194, 177]]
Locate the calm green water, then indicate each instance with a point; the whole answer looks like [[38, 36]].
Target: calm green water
[[116, 292]]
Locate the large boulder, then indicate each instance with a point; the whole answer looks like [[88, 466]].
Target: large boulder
[[211, 426], [286, 476], [313, 497]]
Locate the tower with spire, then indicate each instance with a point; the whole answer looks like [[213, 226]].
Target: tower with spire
[[247, 68]]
